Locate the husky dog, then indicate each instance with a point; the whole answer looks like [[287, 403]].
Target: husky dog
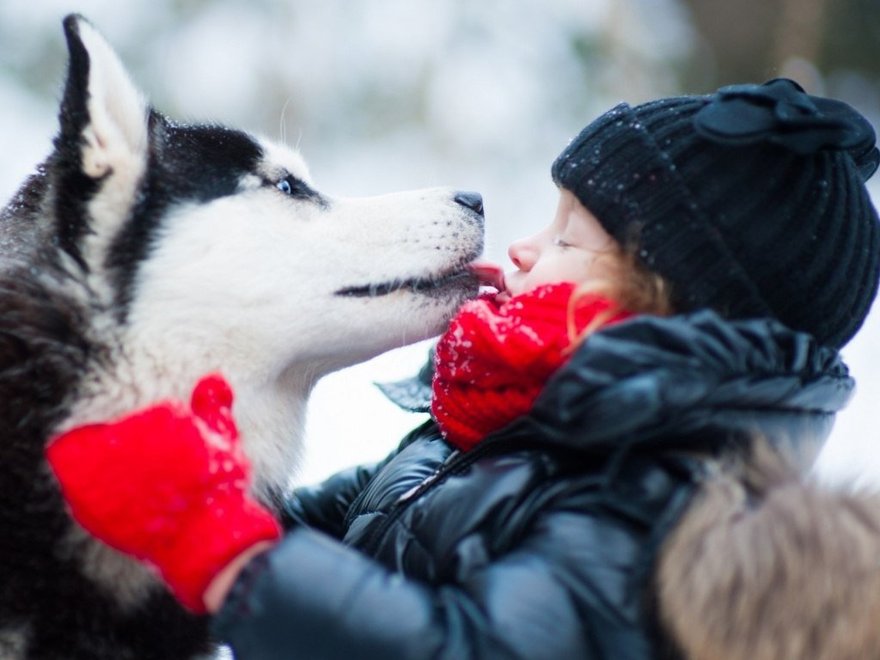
[[144, 253]]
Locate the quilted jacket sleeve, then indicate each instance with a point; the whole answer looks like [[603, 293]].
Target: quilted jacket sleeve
[[324, 506], [571, 588]]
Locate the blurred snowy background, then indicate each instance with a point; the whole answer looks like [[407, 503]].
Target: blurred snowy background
[[387, 95]]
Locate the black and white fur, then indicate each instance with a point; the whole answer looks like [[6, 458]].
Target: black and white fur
[[143, 254]]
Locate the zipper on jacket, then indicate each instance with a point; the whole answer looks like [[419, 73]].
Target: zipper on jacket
[[427, 480]]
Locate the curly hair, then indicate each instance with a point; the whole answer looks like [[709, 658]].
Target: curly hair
[[634, 288]]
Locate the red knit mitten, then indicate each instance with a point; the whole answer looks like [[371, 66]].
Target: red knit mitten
[[495, 359], [167, 484]]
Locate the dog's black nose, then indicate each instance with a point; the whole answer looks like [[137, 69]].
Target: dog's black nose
[[471, 200]]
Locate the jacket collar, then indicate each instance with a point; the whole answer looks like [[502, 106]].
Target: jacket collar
[[689, 380]]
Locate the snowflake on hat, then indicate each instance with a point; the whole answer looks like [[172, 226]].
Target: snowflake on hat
[[494, 359]]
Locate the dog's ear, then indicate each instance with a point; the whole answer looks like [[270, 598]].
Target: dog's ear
[[103, 141], [101, 108]]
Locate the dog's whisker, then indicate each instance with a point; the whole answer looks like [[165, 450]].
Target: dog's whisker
[[282, 124]]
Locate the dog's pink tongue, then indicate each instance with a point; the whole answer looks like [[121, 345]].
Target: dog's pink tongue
[[488, 273]]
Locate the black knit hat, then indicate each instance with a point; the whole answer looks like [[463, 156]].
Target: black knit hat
[[750, 201]]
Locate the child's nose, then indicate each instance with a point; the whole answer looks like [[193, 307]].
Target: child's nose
[[522, 254]]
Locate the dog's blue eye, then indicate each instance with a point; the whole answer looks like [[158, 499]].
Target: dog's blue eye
[[296, 189]]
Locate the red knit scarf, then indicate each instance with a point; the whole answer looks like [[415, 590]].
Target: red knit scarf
[[493, 361]]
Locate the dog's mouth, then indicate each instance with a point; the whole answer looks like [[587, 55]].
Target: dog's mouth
[[461, 277]]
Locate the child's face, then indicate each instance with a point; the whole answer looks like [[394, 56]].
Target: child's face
[[574, 247]]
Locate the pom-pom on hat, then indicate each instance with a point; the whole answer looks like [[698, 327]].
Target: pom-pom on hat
[[750, 201]]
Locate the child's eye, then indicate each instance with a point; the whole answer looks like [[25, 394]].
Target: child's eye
[[557, 241]]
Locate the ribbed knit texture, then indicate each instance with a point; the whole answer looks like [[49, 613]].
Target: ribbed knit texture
[[748, 230], [494, 359]]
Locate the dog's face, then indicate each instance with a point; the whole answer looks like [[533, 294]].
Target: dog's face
[[216, 236], [297, 278], [204, 248]]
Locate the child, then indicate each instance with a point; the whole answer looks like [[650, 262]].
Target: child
[[743, 212]]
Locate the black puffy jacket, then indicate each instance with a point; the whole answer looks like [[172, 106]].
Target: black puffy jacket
[[541, 542]]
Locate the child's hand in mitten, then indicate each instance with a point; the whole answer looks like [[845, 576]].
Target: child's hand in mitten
[[167, 484]]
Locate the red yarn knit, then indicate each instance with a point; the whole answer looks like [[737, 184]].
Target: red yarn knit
[[167, 484], [493, 361]]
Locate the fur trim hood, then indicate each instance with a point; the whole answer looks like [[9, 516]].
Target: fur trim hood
[[766, 564]]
